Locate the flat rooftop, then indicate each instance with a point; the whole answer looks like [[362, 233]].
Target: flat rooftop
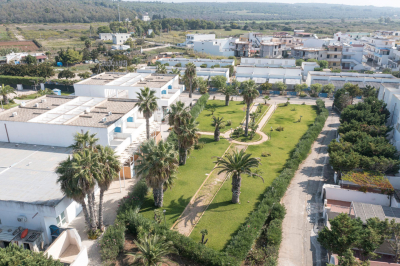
[[27, 173], [70, 110]]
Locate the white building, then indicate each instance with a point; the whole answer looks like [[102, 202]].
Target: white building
[[120, 47], [267, 62], [307, 67], [197, 61], [123, 85], [218, 47], [377, 50], [19, 58], [191, 38], [106, 36], [339, 79], [120, 38], [260, 75], [272, 49], [205, 73], [353, 57]]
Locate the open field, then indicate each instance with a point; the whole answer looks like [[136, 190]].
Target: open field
[[234, 112], [189, 179], [25, 46], [223, 218], [3, 34]]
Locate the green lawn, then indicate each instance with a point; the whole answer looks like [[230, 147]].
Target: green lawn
[[189, 179], [243, 138], [234, 112], [223, 218]]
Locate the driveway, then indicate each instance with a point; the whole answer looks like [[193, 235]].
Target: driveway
[[303, 204]]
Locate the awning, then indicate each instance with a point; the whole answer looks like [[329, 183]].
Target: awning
[[260, 80], [293, 81], [275, 80], [241, 79]]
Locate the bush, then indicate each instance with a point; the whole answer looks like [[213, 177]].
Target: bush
[[228, 123], [112, 242], [38, 44], [203, 65], [199, 106], [243, 241], [15, 255], [20, 80], [199, 145], [265, 154], [279, 128]]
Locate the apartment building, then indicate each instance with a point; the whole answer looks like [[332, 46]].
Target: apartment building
[[120, 38], [272, 49], [218, 47], [260, 75], [353, 57], [266, 62], [243, 48], [205, 73], [377, 51], [332, 54], [284, 38], [197, 61], [191, 38], [306, 52]]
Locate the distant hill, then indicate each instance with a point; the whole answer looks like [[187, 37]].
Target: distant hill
[[50, 11]]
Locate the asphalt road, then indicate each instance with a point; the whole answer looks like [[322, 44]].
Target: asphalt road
[[304, 206]]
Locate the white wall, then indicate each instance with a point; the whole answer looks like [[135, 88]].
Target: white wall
[[219, 47], [334, 192]]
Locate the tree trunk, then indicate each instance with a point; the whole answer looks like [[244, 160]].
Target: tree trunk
[[235, 188], [246, 130], [101, 210], [147, 127], [94, 208], [190, 89], [227, 100], [158, 194], [182, 156], [5, 98], [155, 196], [85, 212], [92, 224], [216, 134]]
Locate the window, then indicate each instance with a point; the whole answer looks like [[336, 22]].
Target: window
[[335, 49], [321, 55], [334, 64], [328, 56], [275, 53], [61, 219], [335, 56]]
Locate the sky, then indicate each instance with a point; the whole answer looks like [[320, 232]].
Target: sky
[[388, 3]]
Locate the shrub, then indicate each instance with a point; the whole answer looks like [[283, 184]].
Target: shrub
[[112, 242], [20, 80], [203, 65], [265, 154], [38, 44], [15, 255], [279, 128], [199, 106], [199, 145], [228, 123]]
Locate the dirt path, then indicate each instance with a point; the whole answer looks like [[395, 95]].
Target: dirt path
[[18, 36], [201, 200], [303, 204]]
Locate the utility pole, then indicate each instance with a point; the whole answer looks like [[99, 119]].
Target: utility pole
[[119, 16]]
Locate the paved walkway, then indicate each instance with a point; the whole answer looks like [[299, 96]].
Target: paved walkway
[[304, 206]]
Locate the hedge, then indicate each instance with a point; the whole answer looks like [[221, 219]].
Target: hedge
[[15, 255], [242, 242], [21, 80]]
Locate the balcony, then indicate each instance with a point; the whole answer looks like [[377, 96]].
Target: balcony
[[334, 52], [348, 53], [333, 59]]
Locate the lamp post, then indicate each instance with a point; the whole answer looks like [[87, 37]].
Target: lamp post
[[165, 223]]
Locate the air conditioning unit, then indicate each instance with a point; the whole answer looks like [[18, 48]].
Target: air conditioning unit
[[87, 110], [43, 100], [23, 104], [109, 113], [14, 114], [36, 104], [22, 219], [104, 119]]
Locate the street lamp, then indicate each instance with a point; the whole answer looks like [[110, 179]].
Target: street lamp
[[165, 223]]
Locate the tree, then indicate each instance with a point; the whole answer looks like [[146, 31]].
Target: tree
[[249, 94], [103, 29], [190, 75], [236, 164], [342, 99], [161, 69], [5, 91], [299, 62], [187, 138], [266, 86], [219, 82], [323, 64], [30, 60], [218, 123], [393, 233], [280, 86], [109, 170], [343, 235], [253, 116], [230, 90], [353, 90], [84, 75], [66, 73], [94, 54], [130, 42], [153, 250], [175, 71], [156, 163], [266, 99], [46, 91], [202, 84], [88, 43], [147, 103], [369, 91], [300, 87], [68, 56], [316, 88], [253, 126], [328, 88]]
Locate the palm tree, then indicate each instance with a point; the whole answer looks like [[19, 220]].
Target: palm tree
[[237, 163], [249, 94], [109, 170], [161, 69], [230, 90], [266, 99], [153, 249], [253, 117], [73, 188], [46, 91], [176, 115], [156, 163], [5, 90], [187, 137], [218, 123], [175, 71], [147, 103], [84, 141], [190, 76]]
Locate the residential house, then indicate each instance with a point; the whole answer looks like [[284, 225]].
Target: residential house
[[377, 51], [243, 48], [218, 47], [332, 54], [300, 52], [353, 57], [191, 38], [120, 38], [272, 49], [266, 62]]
